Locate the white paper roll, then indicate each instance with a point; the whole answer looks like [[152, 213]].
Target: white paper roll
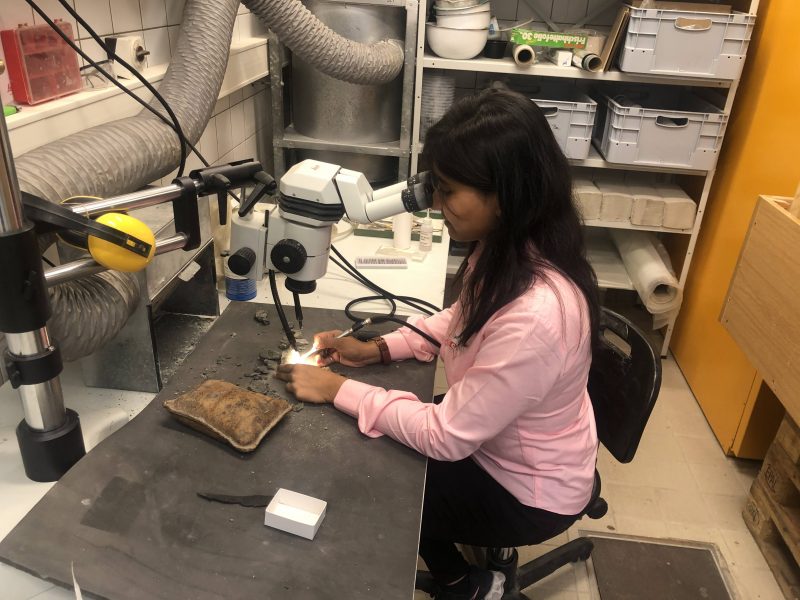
[[588, 61], [524, 55], [649, 268], [129, 48], [401, 226]]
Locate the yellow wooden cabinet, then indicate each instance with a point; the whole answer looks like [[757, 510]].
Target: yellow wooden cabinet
[[761, 155]]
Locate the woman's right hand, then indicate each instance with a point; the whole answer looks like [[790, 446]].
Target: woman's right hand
[[348, 351]]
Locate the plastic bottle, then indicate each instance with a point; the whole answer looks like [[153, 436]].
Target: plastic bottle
[[426, 234]]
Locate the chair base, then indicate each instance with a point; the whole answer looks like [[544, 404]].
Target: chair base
[[426, 583], [520, 577]]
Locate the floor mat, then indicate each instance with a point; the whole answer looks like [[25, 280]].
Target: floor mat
[[632, 569]]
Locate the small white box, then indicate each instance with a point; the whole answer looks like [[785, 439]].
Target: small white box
[[562, 58], [295, 513]]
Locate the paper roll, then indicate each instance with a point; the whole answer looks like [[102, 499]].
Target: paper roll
[[401, 226], [131, 49], [524, 55], [586, 60], [649, 268]]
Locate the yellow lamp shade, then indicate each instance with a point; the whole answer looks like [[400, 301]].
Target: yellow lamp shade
[[116, 257]]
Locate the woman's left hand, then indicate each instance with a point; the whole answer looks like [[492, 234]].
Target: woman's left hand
[[309, 383]]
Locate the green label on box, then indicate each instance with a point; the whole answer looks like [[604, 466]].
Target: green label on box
[[549, 39]]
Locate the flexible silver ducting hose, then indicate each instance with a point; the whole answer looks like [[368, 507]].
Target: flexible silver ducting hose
[[319, 45], [127, 154], [95, 310]]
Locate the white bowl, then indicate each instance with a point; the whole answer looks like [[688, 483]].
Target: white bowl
[[449, 4], [464, 21], [481, 8], [459, 44]]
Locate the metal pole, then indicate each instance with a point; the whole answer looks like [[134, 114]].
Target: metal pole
[[87, 266], [43, 403], [141, 199]]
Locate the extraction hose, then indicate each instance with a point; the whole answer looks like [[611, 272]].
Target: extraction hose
[[320, 46], [129, 153]]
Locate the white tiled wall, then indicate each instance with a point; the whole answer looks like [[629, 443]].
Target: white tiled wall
[[235, 131], [240, 128]]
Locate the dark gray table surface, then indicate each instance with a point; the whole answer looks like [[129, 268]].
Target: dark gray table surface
[[128, 518]]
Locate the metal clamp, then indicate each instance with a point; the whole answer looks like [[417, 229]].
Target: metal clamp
[[33, 369]]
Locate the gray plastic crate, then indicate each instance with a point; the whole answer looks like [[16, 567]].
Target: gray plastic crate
[[571, 116], [691, 44], [662, 128]]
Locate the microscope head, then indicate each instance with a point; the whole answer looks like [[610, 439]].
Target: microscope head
[[313, 196]]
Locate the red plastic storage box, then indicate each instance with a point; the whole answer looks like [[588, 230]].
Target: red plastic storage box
[[41, 66]]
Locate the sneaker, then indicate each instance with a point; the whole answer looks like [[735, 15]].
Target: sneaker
[[481, 585]]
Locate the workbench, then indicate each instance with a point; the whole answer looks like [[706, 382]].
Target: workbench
[[127, 517], [104, 411]]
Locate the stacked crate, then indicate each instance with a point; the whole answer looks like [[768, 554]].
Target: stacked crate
[[772, 512]]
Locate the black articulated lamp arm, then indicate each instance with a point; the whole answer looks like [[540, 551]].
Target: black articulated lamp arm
[[265, 186], [222, 178]]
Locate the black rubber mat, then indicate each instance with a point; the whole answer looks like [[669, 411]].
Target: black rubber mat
[[635, 569]]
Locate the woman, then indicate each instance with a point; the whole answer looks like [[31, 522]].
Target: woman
[[512, 446]]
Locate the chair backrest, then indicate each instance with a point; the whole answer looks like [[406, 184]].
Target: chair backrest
[[624, 382]]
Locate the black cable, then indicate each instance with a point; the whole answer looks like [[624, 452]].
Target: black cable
[[384, 318], [298, 310], [276, 300], [405, 323], [408, 300], [384, 295], [100, 62], [47, 260], [114, 81]]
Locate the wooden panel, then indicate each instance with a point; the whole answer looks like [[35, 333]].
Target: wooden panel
[[763, 302]]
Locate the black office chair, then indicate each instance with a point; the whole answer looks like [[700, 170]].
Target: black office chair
[[624, 381]]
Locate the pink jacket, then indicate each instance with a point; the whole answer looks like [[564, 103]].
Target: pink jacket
[[517, 402]]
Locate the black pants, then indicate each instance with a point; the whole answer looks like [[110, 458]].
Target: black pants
[[464, 504]]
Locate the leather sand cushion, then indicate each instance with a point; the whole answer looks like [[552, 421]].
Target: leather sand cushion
[[228, 413]]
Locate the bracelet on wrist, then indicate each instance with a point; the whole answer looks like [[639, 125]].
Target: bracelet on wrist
[[386, 358]]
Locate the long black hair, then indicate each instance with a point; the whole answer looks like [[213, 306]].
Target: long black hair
[[499, 142]]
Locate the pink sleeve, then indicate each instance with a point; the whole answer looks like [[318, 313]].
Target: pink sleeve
[[404, 343], [515, 368]]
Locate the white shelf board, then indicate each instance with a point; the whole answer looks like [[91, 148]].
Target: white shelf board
[[595, 160], [293, 139], [509, 67], [632, 227]]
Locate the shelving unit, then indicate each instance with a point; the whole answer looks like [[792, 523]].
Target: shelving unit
[[697, 183], [285, 137]]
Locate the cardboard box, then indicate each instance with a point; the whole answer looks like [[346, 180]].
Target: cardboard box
[[295, 513]]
